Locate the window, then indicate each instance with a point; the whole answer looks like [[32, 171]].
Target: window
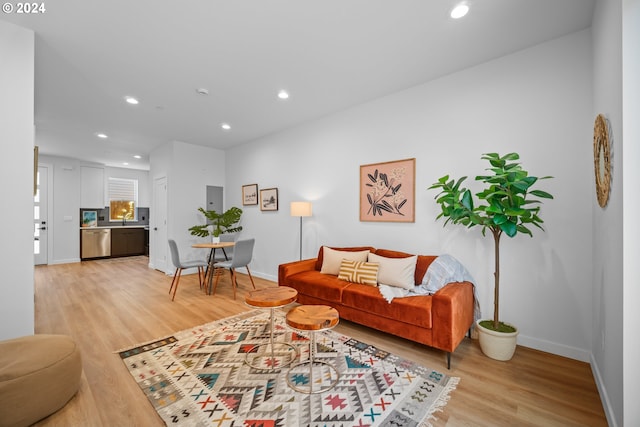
[[123, 199]]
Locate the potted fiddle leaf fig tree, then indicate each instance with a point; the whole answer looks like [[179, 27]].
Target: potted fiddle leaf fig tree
[[218, 223], [507, 205]]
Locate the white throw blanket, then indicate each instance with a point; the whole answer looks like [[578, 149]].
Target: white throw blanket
[[444, 269]]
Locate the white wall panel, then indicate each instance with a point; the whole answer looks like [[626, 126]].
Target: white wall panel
[[16, 175]]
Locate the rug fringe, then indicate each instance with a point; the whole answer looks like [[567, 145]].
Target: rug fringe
[[441, 402]]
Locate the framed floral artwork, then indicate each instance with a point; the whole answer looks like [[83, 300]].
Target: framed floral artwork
[[387, 191], [250, 194], [269, 199]]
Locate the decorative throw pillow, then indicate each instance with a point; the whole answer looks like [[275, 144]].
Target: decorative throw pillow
[[365, 273], [399, 272], [332, 259]]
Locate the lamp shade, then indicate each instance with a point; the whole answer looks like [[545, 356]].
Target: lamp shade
[[301, 209]]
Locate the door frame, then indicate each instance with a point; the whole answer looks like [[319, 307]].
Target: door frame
[[157, 250], [49, 193]]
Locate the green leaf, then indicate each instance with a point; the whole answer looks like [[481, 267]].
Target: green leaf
[[541, 193], [500, 219], [467, 200], [511, 156], [516, 212], [493, 209], [509, 228], [455, 187], [524, 230]]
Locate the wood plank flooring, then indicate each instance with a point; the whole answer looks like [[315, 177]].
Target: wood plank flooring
[[110, 305]]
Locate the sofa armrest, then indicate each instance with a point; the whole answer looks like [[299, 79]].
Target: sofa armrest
[[291, 268], [452, 311]]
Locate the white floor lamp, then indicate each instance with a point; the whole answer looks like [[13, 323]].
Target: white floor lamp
[[301, 209]]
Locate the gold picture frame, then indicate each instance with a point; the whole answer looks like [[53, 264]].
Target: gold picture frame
[[387, 191]]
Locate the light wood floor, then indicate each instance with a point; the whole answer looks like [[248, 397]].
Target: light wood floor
[[111, 305]]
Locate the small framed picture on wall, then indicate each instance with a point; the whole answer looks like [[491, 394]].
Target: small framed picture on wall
[[269, 199], [250, 194]]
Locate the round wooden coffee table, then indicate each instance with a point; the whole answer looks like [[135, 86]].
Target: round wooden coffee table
[[312, 318], [271, 298]]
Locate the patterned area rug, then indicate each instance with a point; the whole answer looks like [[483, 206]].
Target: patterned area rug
[[200, 377]]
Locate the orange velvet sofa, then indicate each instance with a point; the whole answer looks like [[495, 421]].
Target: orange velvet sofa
[[440, 320]]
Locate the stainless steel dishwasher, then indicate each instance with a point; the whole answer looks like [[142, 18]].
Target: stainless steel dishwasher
[[95, 243]]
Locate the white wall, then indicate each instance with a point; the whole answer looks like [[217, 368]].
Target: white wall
[[16, 175], [631, 173], [536, 102], [607, 229], [189, 169]]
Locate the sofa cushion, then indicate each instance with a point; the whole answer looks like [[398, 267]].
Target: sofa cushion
[[399, 272], [320, 258], [365, 273], [332, 259], [318, 285], [412, 310], [421, 265]]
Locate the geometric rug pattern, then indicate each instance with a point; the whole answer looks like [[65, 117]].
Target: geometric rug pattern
[[199, 377]]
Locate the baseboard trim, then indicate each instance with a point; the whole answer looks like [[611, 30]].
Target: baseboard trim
[[63, 261], [555, 348], [602, 390]]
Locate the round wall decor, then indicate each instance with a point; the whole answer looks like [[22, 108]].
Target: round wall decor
[[602, 159]]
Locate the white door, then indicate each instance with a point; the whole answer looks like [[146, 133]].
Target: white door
[[158, 226], [40, 223]]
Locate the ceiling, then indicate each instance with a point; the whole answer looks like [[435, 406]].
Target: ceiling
[[329, 55]]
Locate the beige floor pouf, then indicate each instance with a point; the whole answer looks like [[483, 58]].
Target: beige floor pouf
[[38, 376]]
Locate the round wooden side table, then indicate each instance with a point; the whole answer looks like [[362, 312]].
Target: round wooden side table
[[271, 298], [312, 318]]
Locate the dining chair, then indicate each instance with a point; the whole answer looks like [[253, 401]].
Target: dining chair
[[242, 254], [226, 254], [181, 265]]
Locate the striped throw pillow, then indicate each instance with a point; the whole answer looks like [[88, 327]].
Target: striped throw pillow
[[362, 272]]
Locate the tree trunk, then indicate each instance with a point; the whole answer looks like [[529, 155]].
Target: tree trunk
[[496, 275]]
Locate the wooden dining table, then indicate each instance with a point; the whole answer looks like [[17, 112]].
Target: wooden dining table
[[212, 257]]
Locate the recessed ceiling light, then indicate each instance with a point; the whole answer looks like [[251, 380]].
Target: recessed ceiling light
[[225, 126], [283, 94], [459, 11], [202, 91], [137, 157], [101, 135], [125, 163], [131, 100]]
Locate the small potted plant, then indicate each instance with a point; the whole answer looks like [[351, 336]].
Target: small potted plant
[[218, 223], [510, 207]]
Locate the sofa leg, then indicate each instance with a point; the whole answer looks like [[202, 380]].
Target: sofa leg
[[448, 360]]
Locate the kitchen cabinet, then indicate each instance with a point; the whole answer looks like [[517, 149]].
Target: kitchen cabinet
[[127, 241], [91, 187]]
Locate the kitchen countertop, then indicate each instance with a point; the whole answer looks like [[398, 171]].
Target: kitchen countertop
[[108, 227]]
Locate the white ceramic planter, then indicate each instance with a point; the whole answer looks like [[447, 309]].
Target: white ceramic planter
[[497, 345], [215, 239]]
